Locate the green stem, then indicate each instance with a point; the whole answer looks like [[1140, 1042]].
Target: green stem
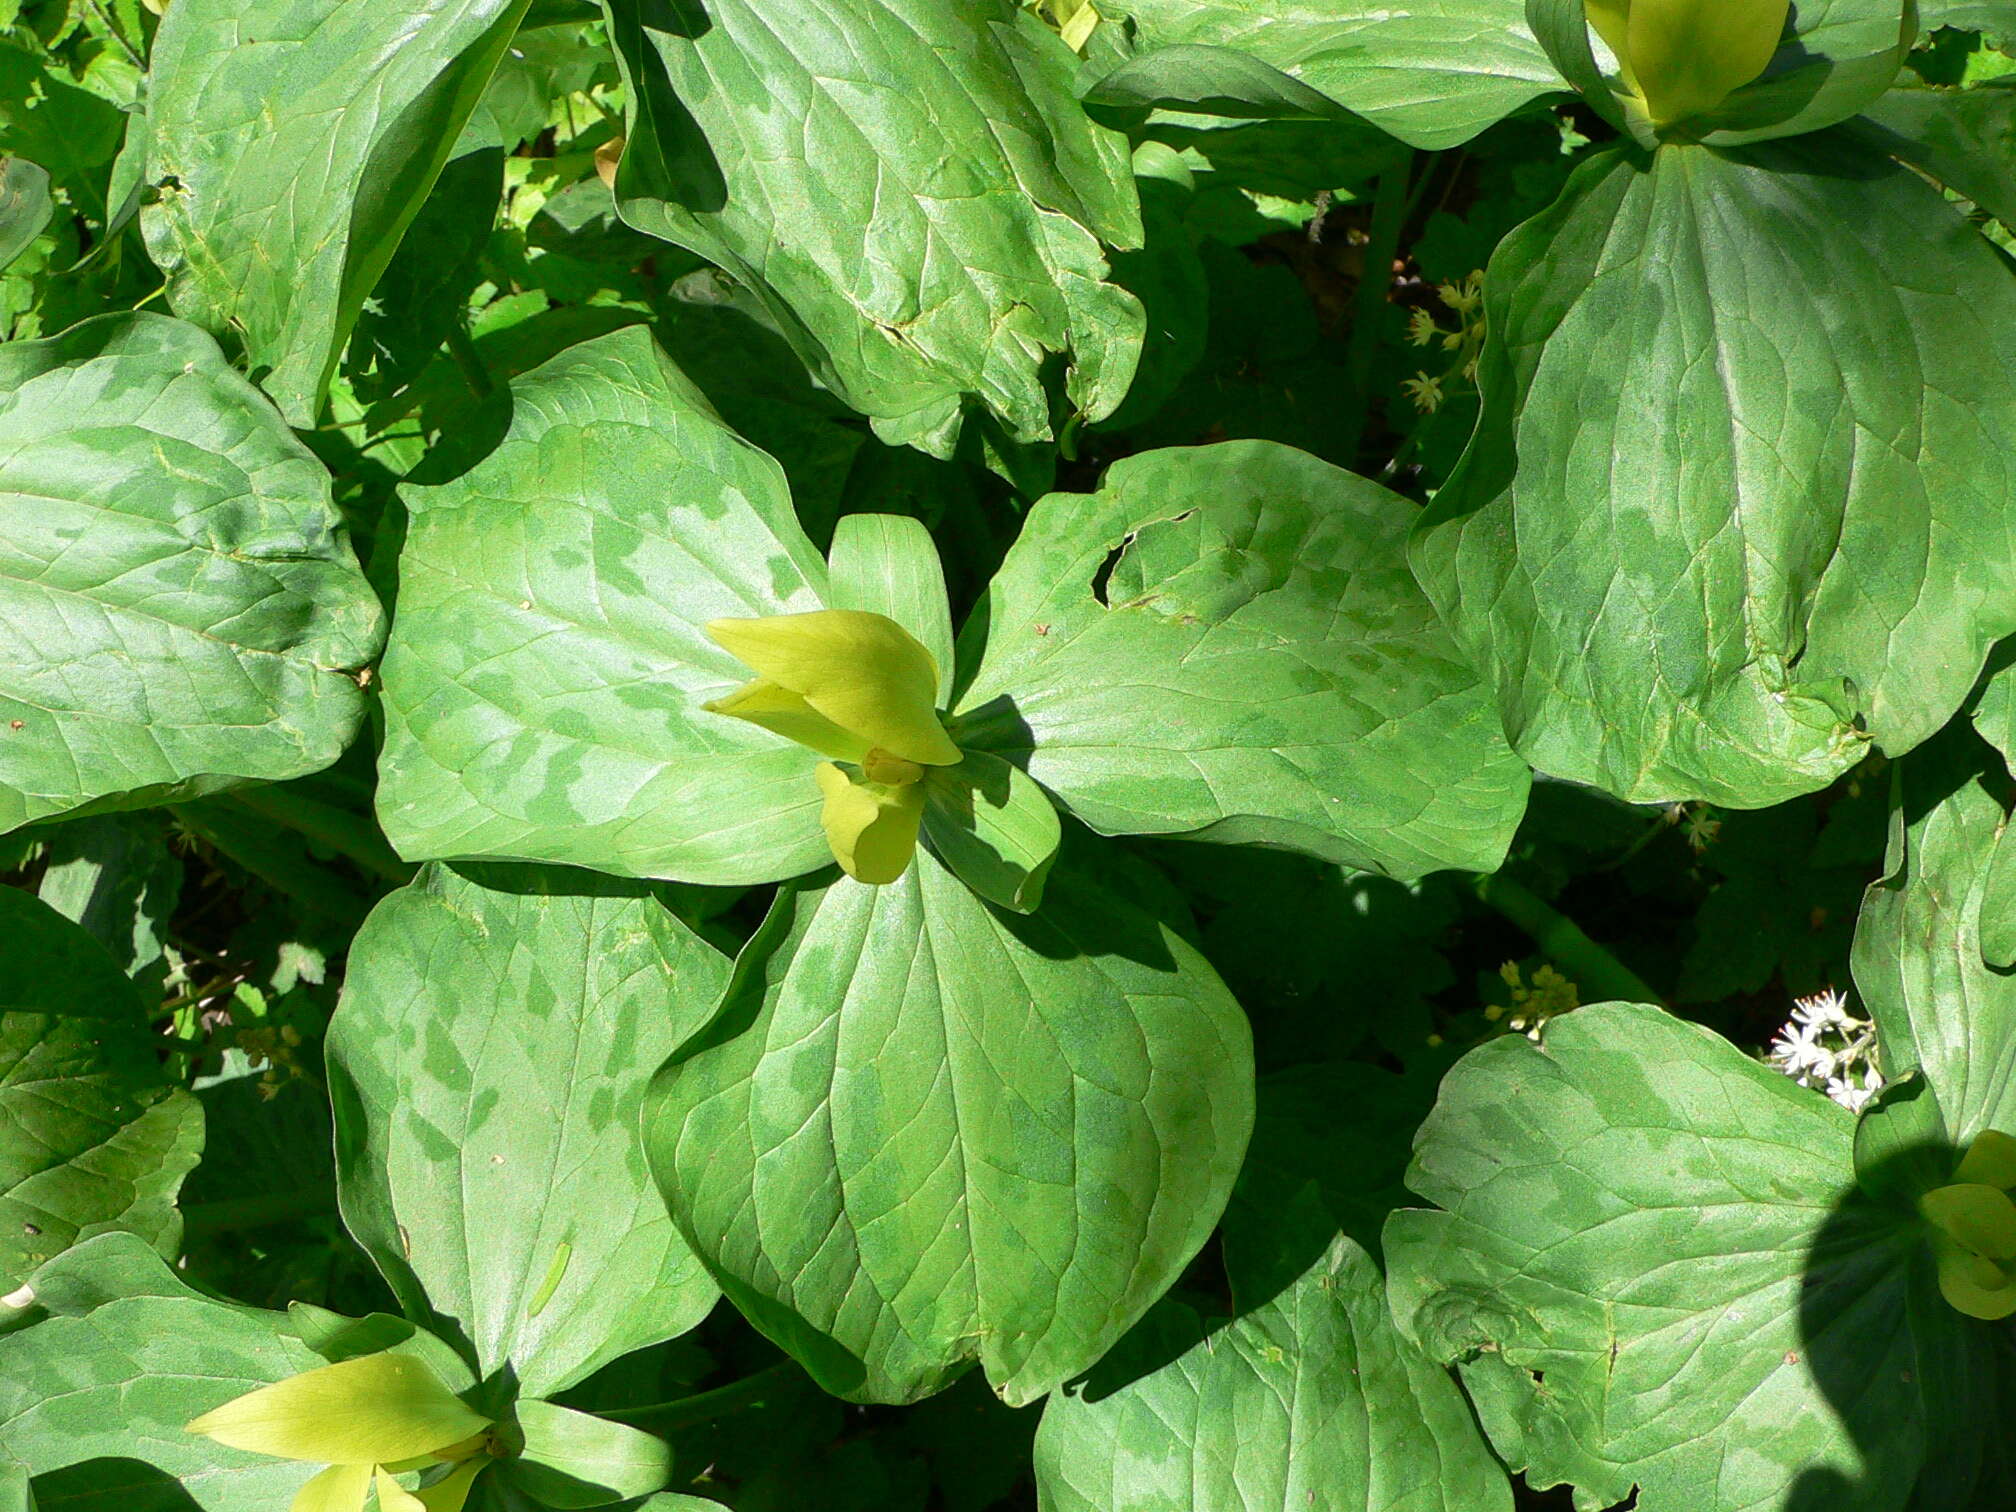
[[705, 1406], [333, 828], [1599, 974], [206, 1218], [1389, 216], [463, 349]]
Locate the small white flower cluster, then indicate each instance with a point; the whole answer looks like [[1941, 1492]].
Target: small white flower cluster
[[1829, 1049]]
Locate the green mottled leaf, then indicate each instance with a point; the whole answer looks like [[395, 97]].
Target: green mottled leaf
[[909, 187], [1310, 1401], [92, 1137], [1940, 1007], [1433, 74], [921, 1133], [94, 1394], [25, 207], [544, 683], [487, 1066], [1747, 514], [1225, 642], [180, 610], [573, 1460], [292, 142], [1653, 1271]]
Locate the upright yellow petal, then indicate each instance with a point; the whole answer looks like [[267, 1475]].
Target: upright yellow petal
[[1979, 1218], [368, 1411], [871, 826], [340, 1488], [785, 713], [1687, 55], [863, 671], [393, 1497], [452, 1490], [1990, 1161]]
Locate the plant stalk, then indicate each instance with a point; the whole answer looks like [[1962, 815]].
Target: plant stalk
[[1390, 204], [1601, 977], [705, 1406], [206, 1218]]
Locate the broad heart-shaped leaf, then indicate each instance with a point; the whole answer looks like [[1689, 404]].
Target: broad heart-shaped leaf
[[1311, 1402], [544, 682], [487, 1065], [1940, 1006], [1433, 73], [93, 1395], [1653, 1271], [291, 142], [922, 1132], [180, 610], [1225, 642], [91, 1135], [1737, 501], [910, 187]]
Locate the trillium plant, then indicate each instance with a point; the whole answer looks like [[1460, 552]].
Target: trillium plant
[[967, 755]]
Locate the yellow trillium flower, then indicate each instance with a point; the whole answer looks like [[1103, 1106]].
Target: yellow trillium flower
[[859, 688], [367, 1419], [1973, 1222], [1681, 58]]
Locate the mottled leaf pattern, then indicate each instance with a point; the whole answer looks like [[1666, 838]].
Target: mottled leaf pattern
[[488, 1063], [291, 142], [1737, 504], [180, 610], [544, 683], [910, 187], [1225, 641], [922, 1133]]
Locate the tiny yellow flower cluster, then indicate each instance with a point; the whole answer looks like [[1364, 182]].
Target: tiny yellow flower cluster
[[1465, 300], [1532, 1006], [272, 1046]]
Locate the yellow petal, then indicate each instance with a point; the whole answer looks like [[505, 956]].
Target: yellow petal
[[785, 713], [1610, 18], [1977, 1287], [1990, 1160], [1978, 1218], [1687, 55], [340, 1488], [863, 671], [393, 1497], [871, 827], [368, 1411], [452, 1490]]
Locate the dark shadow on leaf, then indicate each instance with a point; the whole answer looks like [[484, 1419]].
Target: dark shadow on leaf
[[111, 1484], [667, 156], [1890, 1355]]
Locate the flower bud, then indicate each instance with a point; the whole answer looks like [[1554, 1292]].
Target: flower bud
[[1682, 58]]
